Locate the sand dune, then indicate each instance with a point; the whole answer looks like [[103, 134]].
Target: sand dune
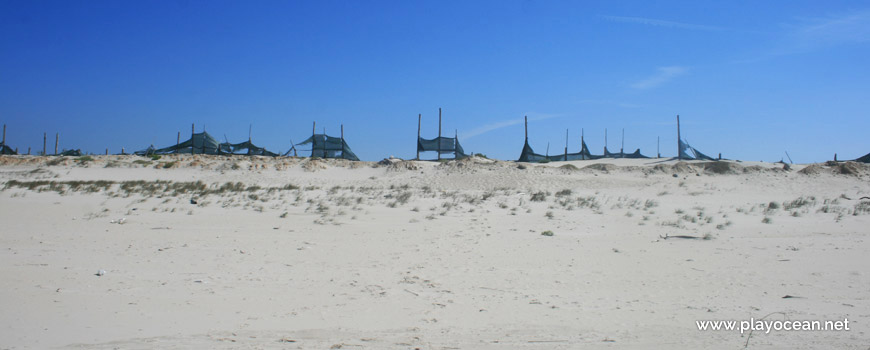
[[237, 252]]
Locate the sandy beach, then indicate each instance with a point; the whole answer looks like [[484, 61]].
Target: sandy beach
[[125, 252]]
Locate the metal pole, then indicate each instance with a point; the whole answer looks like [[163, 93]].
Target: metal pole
[[419, 120], [439, 133]]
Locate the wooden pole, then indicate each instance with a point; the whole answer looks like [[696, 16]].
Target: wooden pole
[[419, 120], [527, 128], [56, 141], [122, 151], [192, 142], [342, 140], [177, 141], [28, 151], [313, 139], [439, 133], [566, 144], [107, 151], [658, 147], [622, 147], [44, 138], [605, 141], [679, 140]]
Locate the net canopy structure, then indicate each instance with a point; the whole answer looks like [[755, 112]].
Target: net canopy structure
[[204, 143], [6, 150], [636, 154], [248, 148], [201, 143], [691, 153], [685, 151], [530, 156], [864, 159], [71, 153], [325, 146], [440, 145]]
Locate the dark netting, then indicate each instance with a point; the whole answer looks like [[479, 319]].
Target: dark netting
[[448, 145], [636, 154], [864, 159], [325, 146], [685, 151], [530, 156], [4, 149], [248, 148], [146, 152], [201, 143], [71, 153]]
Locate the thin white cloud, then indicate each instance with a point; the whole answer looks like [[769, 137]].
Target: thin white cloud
[[503, 124], [811, 34], [662, 23], [662, 75], [853, 27]]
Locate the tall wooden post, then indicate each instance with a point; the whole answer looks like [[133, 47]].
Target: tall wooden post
[[192, 141], [679, 140], [28, 151], [527, 128], [439, 133], [419, 120], [605, 141], [622, 147], [177, 141], [107, 151], [342, 140], [313, 139], [566, 144], [582, 143], [44, 140], [56, 141], [658, 145]]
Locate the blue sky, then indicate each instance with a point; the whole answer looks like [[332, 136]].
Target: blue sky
[[750, 79]]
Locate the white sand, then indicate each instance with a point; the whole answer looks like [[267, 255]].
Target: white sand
[[461, 264]]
